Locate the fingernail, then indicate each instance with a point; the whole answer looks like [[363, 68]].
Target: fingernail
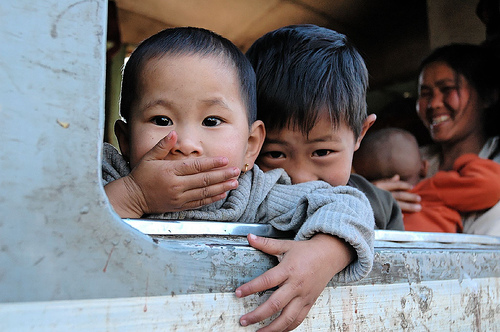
[[243, 322], [252, 236], [238, 293], [169, 136], [236, 171]]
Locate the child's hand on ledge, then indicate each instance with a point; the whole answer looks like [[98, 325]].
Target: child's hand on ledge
[[304, 269]]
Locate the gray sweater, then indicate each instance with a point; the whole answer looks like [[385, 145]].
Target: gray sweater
[[306, 208]]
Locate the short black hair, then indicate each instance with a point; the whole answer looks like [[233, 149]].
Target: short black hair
[[481, 68], [302, 69], [187, 41]]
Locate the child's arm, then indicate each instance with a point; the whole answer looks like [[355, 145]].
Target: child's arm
[[301, 276], [156, 185], [332, 215]]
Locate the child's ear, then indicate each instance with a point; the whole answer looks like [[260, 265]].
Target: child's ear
[[369, 121], [423, 169], [255, 141], [121, 133]]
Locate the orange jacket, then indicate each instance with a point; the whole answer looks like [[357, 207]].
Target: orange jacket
[[473, 185]]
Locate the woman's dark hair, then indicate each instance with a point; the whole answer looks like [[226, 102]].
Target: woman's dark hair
[[302, 70], [187, 41], [481, 68]]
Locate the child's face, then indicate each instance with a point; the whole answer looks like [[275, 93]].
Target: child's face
[[199, 98], [325, 154]]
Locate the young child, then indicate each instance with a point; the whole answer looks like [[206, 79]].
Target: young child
[[473, 185], [311, 96], [188, 97]]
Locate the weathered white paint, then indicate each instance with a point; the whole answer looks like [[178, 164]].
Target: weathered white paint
[[447, 305]]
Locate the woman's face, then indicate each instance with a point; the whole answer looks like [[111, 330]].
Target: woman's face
[[448, 105]]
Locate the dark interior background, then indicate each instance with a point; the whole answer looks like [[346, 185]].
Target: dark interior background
[[392, 35]]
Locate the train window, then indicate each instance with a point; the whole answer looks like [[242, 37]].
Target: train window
[[68, 262]]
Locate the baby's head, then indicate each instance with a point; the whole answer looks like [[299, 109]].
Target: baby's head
[[196, 83], [387, 152], [311, 96]]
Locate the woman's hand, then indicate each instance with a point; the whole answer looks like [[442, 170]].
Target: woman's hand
[[408, 202]]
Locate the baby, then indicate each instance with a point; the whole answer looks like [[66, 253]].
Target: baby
[[387, 152], [189, 109], [473, 185]]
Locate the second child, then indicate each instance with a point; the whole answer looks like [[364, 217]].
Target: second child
[[311, 96]]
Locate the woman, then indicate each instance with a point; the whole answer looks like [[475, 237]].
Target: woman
[[458, 102]]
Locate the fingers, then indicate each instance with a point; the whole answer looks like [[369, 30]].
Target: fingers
[[216, 180], [206, 195], [409, 207], [162, 148], [269, 279], [300, 318], [272, 277], [185, 167], [297, 290], [269, 246], [201, 165], [293, 311], [205, 188], [408, 202], [274, 304], [404, 196], [390, 185]]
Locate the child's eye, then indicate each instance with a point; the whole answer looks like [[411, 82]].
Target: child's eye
[[162, 121], [211, 121], [275, 154], [321, 153]]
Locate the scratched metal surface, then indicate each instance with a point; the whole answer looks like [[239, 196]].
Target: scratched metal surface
[[400, 257], [414, 286]]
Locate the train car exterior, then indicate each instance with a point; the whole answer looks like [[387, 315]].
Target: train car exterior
[[68, 262]]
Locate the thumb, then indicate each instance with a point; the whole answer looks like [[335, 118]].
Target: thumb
[[161, 150], [395, 178]]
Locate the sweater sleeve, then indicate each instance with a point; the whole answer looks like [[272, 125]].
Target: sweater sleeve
[[341, 211], [114, 166], [349, 217]]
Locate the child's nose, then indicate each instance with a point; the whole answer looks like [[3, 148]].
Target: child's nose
[[187, 145], [300, 176]]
